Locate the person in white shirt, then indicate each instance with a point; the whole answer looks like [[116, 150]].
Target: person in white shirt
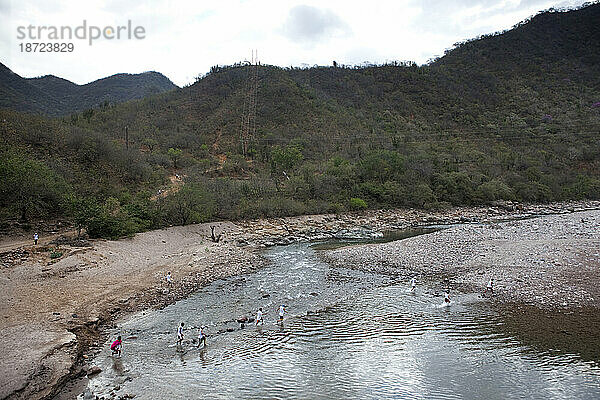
[[180, 334], [490, 286], [35, 238], [413, 284], [169, 278], [259, 317], [281, 312], [202, 336]]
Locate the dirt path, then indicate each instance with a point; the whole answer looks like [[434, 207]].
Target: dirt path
[[175, 185], [13, 243]]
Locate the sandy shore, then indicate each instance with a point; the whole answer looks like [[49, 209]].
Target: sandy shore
[[53, 310]]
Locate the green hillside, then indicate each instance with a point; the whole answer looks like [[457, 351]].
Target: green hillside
[[512, 116], [50, 95]]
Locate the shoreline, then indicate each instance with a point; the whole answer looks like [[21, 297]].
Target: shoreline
[[550, 262], [92, 288], [56, 311]]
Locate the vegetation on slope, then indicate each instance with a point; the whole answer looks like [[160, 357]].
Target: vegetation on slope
[[513, 116]]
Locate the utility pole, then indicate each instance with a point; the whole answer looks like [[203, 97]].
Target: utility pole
[[126, 137]]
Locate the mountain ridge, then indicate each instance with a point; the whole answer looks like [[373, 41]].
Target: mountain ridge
[[56, 96]]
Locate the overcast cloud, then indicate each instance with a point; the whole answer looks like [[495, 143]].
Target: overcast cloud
[[185, 38], [311, 24]]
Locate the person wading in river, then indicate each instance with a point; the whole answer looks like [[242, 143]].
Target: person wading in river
[[116, 347], [413, 284], [489, 287], [447, 297], [180, 334], [202, 336], [281, 312], [259, 317]]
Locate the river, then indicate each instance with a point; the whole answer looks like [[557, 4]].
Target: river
[[346, 334]]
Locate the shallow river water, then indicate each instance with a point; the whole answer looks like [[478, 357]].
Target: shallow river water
[[347, 334]]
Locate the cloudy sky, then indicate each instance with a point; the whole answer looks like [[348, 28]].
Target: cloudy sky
[[183, 39]]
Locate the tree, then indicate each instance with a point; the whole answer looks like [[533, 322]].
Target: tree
[[81, 211], [381, 166], [357, 203], [191, 204], [29, 187], [285, 158], [174, 155], [421, 195], [111, 221], [150, 143]]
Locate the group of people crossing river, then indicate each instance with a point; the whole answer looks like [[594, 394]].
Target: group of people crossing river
[[258, 320], [117, 345]]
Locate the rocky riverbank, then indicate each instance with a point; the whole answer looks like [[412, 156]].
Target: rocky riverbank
[[372, 223], [550, 262], [57, 297], [546, 271]]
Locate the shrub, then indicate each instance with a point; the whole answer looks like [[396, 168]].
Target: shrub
[[357, 203], [56, 254]]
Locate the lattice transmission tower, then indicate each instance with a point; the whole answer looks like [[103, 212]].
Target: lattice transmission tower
[[248, 125]]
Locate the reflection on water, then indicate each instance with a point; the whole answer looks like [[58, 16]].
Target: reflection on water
[[385, 237], [347, 334]]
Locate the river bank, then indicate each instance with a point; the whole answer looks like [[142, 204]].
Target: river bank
[[58, 298], [545, 271], [370, 223], [54, 310], [551, 261]]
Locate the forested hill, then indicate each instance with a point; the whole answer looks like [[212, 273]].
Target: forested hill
[[547, 38], [545, 69], [510, 116], [55, 96]]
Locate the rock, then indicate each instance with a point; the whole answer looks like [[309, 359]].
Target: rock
[[94, 370], [266, 295], [314, 293]]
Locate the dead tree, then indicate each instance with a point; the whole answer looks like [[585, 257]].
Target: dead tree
[[215, 238]]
